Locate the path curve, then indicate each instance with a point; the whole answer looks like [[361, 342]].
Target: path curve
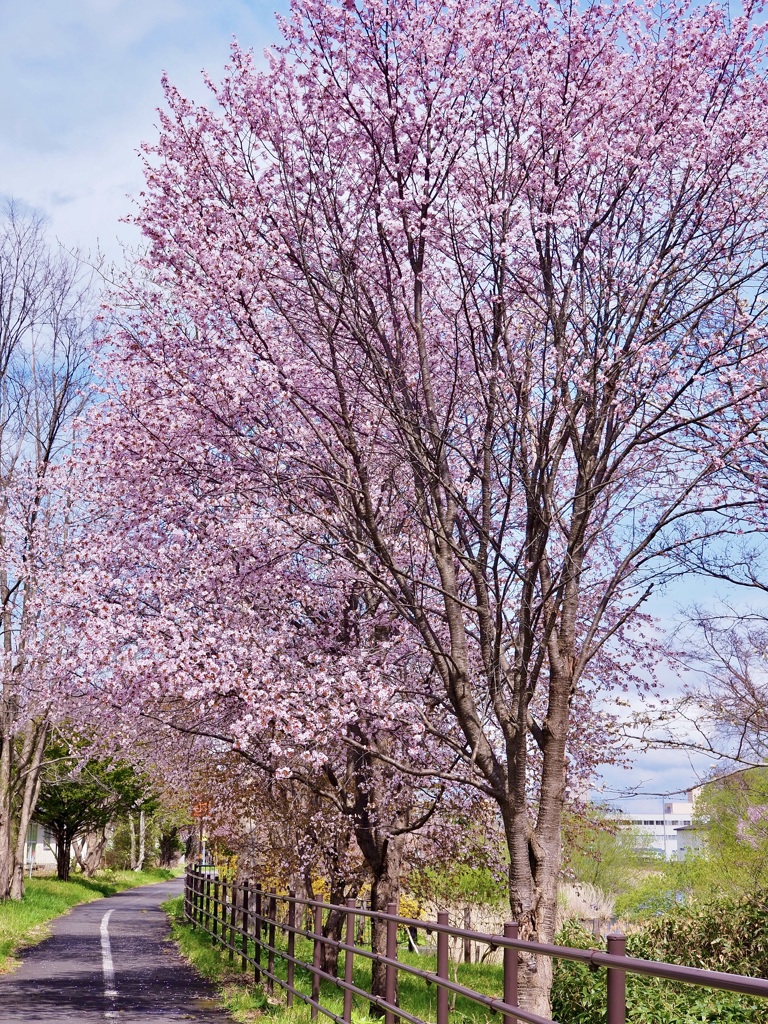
[[109, 960]]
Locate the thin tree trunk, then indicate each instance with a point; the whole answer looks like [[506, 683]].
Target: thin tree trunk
[[6, 809], [132, 827], [169, 839], [97, 842], [63, 856], [38, 737], [333, 929], [7, 719], [142, 842], [78, 846]]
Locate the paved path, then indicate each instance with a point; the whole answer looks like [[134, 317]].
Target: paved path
[[110, 959]]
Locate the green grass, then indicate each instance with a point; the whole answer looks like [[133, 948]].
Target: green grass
[[246, 1001], [23, 922]]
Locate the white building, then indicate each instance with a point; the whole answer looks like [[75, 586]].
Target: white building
[[39, 850], [660, 830]]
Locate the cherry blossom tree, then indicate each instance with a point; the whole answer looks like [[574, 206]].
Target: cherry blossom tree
[[464, 305], [46, 317]]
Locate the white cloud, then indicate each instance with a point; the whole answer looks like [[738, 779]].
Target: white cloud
[[79, 86]]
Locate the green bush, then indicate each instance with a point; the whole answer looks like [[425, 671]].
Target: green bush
[[579, 993], [656, 894], [728, 934]]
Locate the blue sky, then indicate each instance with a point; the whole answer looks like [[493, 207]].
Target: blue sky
[[79, 87]]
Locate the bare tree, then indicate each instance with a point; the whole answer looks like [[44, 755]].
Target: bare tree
[[722, 710]]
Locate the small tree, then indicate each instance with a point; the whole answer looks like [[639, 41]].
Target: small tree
[[603, 853], [80, 797]]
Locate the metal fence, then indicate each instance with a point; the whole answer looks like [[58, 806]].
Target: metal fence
[[245, 920]]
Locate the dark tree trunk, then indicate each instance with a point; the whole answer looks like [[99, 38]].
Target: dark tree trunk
[[192, 848], [63, 857], [169, 846], [332, 929], [385, 889]]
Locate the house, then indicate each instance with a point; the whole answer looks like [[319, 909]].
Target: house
[[39, 850]]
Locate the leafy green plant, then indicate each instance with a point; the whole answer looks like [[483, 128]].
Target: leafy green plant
[[727, 934], [579, 993], [656, 894]]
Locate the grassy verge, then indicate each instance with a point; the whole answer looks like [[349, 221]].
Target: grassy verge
[[24, 922], [245, 1002]]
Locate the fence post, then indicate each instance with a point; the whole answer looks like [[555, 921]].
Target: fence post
[[349, 958], [244, 926], [617, 982], [442, 969], [291, 944], [189, 896], [208, 891], [257, 936], [317, 932], [200, 892], [232, 923], [390, 974], [510, 971], [271, 941], [224, 915]]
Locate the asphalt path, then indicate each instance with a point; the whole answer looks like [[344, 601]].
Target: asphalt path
[[109, 960]]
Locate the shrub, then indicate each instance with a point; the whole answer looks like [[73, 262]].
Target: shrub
[[579, 993]]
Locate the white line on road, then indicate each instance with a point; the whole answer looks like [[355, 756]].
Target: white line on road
[[106, 962]]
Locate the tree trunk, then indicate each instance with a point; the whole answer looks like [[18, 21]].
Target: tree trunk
[[333, 928], [33, 755], [94, 855], [6, 808], [63, 857], [78, 846], [132, 828], [192, 848], [169, 844], [7, 737], [385, 889], [139, 864], [22, 751], [535, 845]]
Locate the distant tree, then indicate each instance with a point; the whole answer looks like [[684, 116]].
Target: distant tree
[[79, 797], [731, 813], [603, 853], [170, 824]]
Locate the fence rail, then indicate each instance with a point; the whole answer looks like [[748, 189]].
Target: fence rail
[[244, 919]]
